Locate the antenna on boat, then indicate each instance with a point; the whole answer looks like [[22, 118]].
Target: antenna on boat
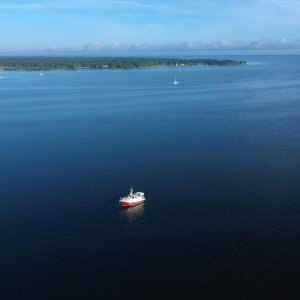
[[131, 190]]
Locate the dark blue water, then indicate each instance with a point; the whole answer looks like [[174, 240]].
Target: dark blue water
[[218, 157]]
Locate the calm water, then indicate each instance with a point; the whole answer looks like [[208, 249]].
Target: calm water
[[218, 157]]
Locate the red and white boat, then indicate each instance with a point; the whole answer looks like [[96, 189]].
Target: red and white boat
[[132, 199]]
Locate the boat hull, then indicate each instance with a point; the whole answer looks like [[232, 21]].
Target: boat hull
[[130, 203]]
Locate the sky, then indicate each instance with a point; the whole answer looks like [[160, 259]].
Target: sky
[[158, 26]]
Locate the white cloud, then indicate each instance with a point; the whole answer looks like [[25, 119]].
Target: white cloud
[[226, 45]]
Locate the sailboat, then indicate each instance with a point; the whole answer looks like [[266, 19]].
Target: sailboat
[[175, 81]]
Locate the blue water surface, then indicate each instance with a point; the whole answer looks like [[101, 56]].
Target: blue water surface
[[218, 157]]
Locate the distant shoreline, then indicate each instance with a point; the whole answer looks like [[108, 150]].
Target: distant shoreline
[[104, 63]]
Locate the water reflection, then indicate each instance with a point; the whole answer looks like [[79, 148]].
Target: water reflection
[[133, 213]]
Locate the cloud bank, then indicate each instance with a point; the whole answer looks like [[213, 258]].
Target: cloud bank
[[216, 45]]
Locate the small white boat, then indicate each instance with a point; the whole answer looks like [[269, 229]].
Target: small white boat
[[175, 81], [132, 199], [41, 74]]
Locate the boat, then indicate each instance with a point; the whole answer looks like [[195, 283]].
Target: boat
[[175, 81], [132, 199], [41, 74]]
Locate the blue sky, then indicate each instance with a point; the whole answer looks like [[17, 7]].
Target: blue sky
[[64, 26]]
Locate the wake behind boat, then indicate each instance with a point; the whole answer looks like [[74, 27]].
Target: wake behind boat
[[132, 199]]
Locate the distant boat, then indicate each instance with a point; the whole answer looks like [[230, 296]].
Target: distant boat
[[41, 74], [175, 81], [132, 199]]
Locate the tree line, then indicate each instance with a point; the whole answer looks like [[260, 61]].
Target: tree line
[[113, 63]]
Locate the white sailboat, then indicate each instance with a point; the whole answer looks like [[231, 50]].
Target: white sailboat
[[175, 81]]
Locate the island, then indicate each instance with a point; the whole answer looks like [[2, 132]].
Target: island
[[104, 63]]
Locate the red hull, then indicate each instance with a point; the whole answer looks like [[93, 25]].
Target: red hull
[[128, 204]]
